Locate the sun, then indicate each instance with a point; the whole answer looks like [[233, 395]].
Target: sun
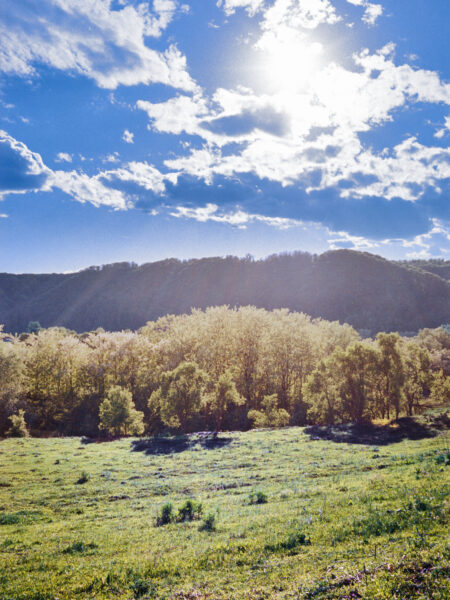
[[288, 64]]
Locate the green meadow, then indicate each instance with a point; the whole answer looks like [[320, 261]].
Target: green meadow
[[283, 516]]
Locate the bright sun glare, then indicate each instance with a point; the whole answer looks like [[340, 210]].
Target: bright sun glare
[[288, 65]]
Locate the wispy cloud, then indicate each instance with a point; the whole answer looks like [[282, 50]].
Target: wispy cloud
[[128, 137], [63, 157], [91, 38]]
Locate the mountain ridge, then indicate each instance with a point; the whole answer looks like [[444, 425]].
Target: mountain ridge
[[365, 290]]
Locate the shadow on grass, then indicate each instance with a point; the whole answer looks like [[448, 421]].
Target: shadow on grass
[[180, 443], [406, 428]]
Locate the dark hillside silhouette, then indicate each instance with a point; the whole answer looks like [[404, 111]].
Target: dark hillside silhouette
[[362, 289]]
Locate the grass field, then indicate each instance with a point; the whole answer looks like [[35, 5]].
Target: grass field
[[335, 520]]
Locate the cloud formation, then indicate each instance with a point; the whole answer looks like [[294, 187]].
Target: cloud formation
[[21, 170], [92, 38]]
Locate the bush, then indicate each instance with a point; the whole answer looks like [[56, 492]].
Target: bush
[[84, 478], [292, 544], [258, 498], [18, 425], [118, 414], [140, 587], [166, 516], [79, 548], [190, 511], [443, 459], [209, 523]]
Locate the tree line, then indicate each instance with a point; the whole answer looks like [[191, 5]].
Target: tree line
[[216, 369]]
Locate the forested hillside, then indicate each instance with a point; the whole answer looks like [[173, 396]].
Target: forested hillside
[[367, 291]]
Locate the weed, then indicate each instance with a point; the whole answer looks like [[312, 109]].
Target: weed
[[190, 511], [443, 459], [84, 478], [166, 515], [292, 544], [79, 547], [209, 523], [258, 498], [141, 587]]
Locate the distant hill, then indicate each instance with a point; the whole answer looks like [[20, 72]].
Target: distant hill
[[367, 291]]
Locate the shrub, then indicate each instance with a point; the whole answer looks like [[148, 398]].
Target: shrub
[[10, 518], [209, 523], [190, 511], [84, 478], [166, 516], [140, 587], [18, 425], [443, 459], [79, 547], [269, 415], [292, 544], [118, 414], [258, 498]]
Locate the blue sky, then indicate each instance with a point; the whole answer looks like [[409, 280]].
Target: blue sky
[[136, 131]]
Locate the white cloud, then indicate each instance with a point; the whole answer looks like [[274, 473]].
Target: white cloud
[[237, 218], [90, 38], [441, 132], [27, 172], [140, 173], [311, 136], [182, 113], [230, 6], [3, 216], [22, 170], [111, 158], [84, 188], [128, 137], [371, 11], [292, 14], [63, 157]]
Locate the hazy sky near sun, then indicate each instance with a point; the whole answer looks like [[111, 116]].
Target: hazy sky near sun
[[133, 130]]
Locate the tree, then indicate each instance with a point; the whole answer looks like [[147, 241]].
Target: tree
[[118, 414], [270, 415], [224, 396], [418, 376], [391, 372], [180, 395], [18, 425], [322, 393], [11, 381], [440, 389]]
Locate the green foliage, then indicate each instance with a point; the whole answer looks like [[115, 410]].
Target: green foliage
[[440, 389], [18, 425], [83, 478], [258, 498], [118, 414], [190, 511], [213, 370], [269, 415], [79, 547], [209, 523], [166, 515], [180, 396], [223, 398], [292, 543]]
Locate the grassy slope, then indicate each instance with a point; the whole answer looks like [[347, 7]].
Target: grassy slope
[[344, 498]]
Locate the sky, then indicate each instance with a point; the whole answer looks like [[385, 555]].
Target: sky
[[137, 131]]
